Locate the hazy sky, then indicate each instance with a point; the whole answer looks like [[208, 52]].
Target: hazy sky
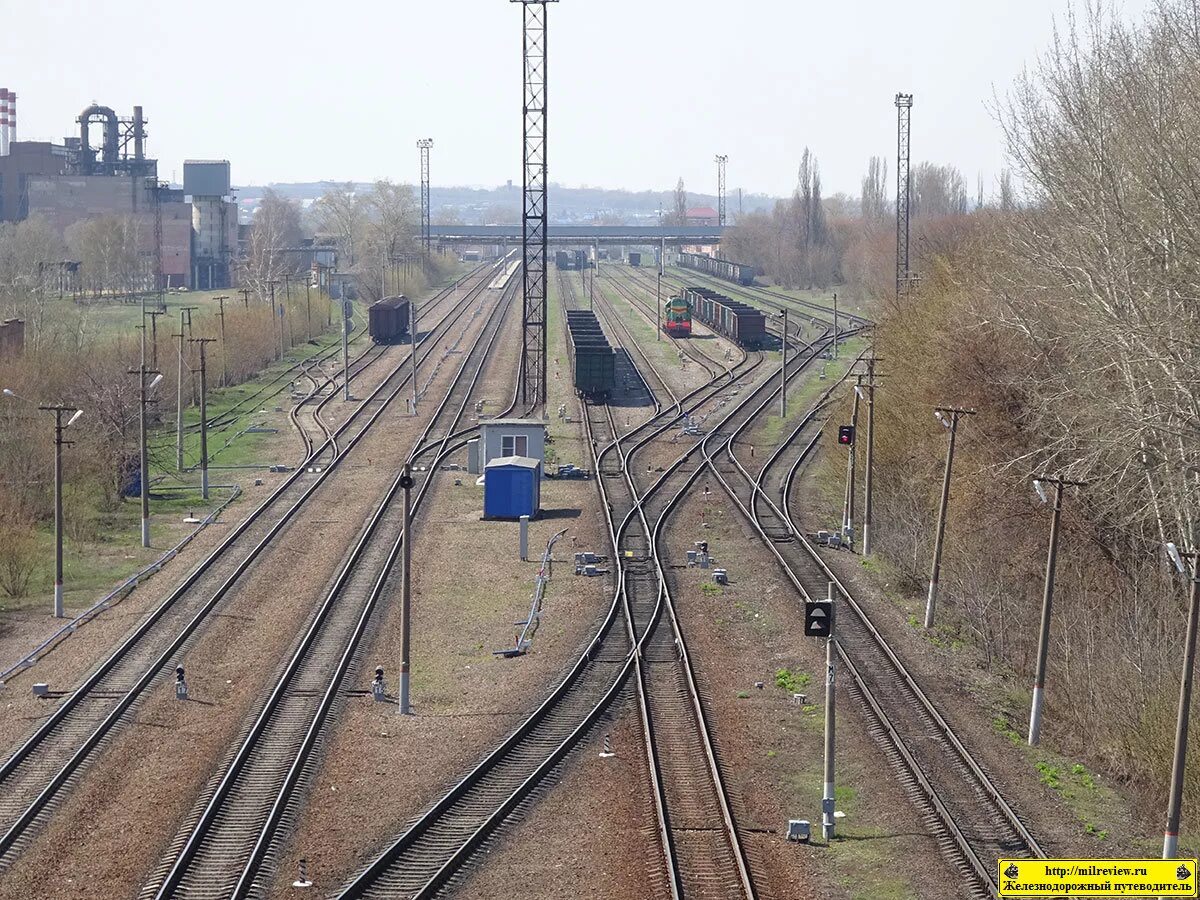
[[641, 93]]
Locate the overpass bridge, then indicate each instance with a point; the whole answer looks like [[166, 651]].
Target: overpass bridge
[[580, 235]]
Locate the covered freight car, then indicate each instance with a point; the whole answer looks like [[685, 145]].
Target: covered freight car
[[387, 319], [593, 365]]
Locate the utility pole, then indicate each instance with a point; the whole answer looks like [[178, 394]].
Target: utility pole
[[783, 370], [58, 410], [412, 327], [828, 800], [245, 292], [347, 311], [179, 400], [203, 416], [835, 327], [658, 290], [144, 456], [308, 306], [224, 347], [1179, 762], [949, 417], [1039, 678], [406, 482], [848, 510], [277, 314], [866, 541], [192, 369], [721, 159], [154, 314]]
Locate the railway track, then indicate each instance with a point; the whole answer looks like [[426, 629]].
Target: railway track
[[702, 848], [970, 819], [35, 775], [435, 847], [226, 850]]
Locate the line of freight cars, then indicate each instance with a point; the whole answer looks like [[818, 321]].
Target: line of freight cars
[[718, 268], [572, 259], [387, 319], [745, 324], [593, 363]]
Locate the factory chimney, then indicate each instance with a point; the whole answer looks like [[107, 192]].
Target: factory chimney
[[4, 140], [12, 118]]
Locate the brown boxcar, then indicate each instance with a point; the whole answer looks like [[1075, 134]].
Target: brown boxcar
[[387, 319]]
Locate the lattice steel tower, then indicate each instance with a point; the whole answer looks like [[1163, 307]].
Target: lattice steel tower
[[721, 160], [423, 145], [533, 218], [904, 104]]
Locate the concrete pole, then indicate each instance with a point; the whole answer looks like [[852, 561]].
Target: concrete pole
[[1039, 678], [662, 252], [783, 370], [144, 459], [224, 346], [835, 327], [827, 791], [308, 306], [848, 513], [345, 352], [203, 417], [931, 601], [406, 482], [412, 327], [1175, 803], [58, 515], [179, 401], [277, 316], [866, 531]]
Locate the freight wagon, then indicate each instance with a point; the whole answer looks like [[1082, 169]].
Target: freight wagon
[[745, 324], [387, 319], [593, 364], [635, 258], [718, 268]]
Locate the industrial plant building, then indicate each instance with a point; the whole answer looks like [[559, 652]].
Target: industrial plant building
[[188, 237]]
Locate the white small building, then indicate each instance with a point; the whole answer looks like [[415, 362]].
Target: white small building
[[509, 437]]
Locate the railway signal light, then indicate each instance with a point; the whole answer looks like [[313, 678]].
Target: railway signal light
[[846, 435], [818, 618]]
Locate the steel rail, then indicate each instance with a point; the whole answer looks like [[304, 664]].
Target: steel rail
[[247, 754], [375, 872], [981, 871], [95, 735]]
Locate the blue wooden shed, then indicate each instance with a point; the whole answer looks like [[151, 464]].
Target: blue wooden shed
[[512, 487]]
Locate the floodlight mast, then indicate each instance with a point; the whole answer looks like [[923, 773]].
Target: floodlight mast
[[533, 217]]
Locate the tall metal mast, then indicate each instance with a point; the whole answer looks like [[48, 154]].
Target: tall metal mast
[[721, 158], [533, 218], [423, 145], [904, 104]]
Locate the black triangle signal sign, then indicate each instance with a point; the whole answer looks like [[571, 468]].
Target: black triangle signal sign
[[818, 618]]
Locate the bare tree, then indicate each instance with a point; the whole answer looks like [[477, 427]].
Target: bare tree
[[276, 226], [679, 215], [342, 212], [874, 191]]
